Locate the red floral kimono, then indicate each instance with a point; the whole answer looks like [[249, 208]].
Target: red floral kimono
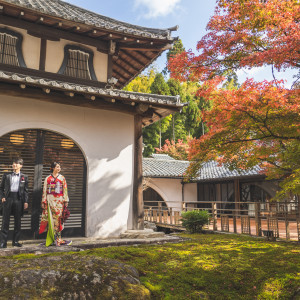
[[55, 195]]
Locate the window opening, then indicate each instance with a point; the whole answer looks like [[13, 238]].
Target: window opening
[[8, 49], [77, 65]]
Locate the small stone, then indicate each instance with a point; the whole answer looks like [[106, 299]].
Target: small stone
[[109, 288], [6, 280], [76, 277], [82, 295], [97, 278]]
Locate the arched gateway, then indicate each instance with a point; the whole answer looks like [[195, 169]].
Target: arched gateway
[[39, 148]]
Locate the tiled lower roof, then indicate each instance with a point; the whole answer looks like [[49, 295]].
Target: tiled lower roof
[[67, 11], [211, 170], [153, 167], [166, 168], [84, 89]]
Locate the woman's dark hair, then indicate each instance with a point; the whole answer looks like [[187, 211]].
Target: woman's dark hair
[[53, 165]]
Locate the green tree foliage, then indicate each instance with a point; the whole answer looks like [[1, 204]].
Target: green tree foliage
[[192, 115], [159, 85], [177, 127], [152, 134], [177, 48], [142, 83]]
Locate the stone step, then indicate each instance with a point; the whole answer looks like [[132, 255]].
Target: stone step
[[141, 234]]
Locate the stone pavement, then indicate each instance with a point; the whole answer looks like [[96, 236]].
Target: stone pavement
[[131, 237]]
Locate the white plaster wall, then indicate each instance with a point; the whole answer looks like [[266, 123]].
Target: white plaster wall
[[106, 139], [169, 189], [55, 56], [190, 192], [30, 48]]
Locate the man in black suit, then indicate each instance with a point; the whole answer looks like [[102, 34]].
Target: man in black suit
[[14, 197]]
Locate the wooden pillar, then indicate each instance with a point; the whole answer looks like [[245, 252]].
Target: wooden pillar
[[219, 197], [257, 219], [109, 66], [286, 219], [214, 215], [138, 203], [43, 51], [237, 201], [160, 212]]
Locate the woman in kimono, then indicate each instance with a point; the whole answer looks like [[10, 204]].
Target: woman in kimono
[[55, 198]]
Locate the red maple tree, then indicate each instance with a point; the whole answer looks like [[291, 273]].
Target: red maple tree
[[178, 150], [257, 123]]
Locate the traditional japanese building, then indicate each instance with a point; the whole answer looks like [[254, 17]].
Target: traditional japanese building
[[231, 189], [62, 70]]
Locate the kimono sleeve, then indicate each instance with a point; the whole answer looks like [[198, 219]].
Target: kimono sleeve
[[66, 197], [44, 197]]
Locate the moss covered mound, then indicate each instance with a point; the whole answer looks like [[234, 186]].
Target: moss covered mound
[[69, 277]]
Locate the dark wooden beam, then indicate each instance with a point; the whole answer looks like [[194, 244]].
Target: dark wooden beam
[[121, 77], [129, 66], [44, 31], [124, 70], [132, 57], [43, 51], [137, 201], [109, 66], [51, 76], [144, 47], [47, 37], [159, 115], [144, 56]]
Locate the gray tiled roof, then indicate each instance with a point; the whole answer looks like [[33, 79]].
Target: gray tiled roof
[[162, 156], [74, 13], [166, 168], [211, 170], [153, 167], [78, 88]]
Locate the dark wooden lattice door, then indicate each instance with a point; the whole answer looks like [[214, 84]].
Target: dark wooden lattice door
[[39, 148]]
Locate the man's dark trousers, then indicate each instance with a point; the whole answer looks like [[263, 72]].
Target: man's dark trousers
[[12, 206]]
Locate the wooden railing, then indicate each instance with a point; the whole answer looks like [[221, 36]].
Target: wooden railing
[[270, 219]]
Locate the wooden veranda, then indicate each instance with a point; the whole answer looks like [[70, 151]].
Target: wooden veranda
[[270, 219]]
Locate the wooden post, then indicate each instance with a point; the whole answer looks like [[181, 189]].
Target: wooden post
[[109, 66], [138, 205], [183, 206], [237, 200], [214, 215], [43, 50], [155, 215], [182, 193], [287, 223], [165, 213], [160, 212], [257, 219], [171, 215]]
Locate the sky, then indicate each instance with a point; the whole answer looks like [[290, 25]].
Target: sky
[[190, 15]]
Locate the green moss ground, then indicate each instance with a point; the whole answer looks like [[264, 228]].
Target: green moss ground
[[213, 266]]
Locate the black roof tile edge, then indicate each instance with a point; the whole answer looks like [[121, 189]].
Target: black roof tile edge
[[96, 20]]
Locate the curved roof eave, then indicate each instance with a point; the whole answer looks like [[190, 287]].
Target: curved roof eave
[[70, 12]]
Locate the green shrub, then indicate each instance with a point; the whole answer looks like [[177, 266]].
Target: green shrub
[[194, 220]]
